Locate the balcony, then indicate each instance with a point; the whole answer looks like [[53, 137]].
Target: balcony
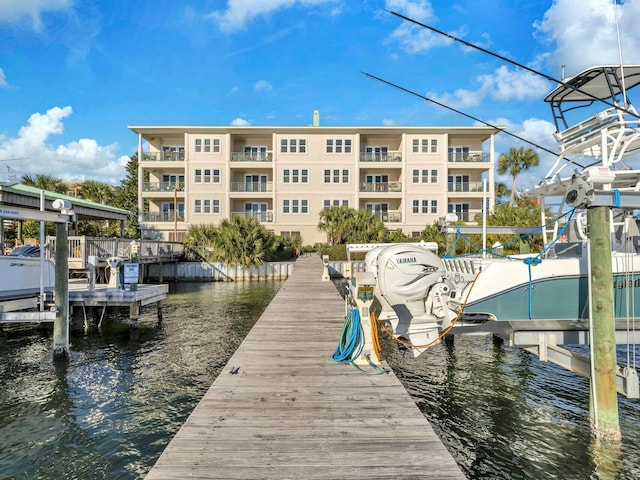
[[381, 187], [162, 186], [252, 187], [161, 217], [472, 157], [251, 156], [469, 187], [163, 157], [380, 156], [262, 217], [389, 216]]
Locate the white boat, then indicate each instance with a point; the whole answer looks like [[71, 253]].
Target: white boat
[[598, 163], [20, 273]]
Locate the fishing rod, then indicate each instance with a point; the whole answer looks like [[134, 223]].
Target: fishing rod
[[411, 92], [519, 65]]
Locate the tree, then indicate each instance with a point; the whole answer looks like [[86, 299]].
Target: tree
[[242, 241], [363, 226], [334, 222], [515, 162], [126, 197], [502, 191], [45, 182], [97, 192]]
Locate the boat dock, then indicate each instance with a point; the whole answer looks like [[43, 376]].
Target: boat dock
[[282, 408]]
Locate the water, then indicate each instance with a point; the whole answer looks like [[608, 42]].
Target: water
[[111, 411], [503, 414]]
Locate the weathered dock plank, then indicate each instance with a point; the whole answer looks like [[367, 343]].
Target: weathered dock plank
[[282, 408]]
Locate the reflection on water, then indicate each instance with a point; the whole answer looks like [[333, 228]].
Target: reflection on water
[[112, 409], [503, 414]]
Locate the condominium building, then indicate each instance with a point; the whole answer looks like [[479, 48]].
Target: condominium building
[[285, 176]]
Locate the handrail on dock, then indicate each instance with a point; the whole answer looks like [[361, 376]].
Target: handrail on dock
[[80, 248]]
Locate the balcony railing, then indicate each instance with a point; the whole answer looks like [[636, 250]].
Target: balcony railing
[[389, 216], [260, 216], [162, 186], [381, 156], [252, 187], [383, 187], [251, 157], [163, 157], [470, 215], [161, 217], [468, 157], [472, 187]]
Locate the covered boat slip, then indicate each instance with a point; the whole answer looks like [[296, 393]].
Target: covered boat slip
[[282, 408]]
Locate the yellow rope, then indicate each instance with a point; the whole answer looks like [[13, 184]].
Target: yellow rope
[[442, 334], [375, 340]]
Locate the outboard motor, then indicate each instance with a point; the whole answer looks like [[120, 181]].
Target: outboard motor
[[410, 280], [371, 265]]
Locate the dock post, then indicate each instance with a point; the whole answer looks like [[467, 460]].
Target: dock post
[[604, 397], [134, 312], [61, 322]]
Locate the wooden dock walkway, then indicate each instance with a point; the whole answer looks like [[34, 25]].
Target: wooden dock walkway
[[290, 412]]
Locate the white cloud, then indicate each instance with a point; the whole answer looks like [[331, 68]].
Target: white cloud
[[3, 79], [77, 160], [239, 122], [16, 11], [240, 12], [590, 37], [262, 85]]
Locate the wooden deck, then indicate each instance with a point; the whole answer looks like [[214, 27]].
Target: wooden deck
[[291, 412]]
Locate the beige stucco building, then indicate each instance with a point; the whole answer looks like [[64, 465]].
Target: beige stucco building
[[285, 176]]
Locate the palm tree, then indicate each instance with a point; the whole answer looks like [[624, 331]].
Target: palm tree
[[45, 182], [515, 162], [335, 223], [366, 227], [242, 241], [98, 192], [502, 191]]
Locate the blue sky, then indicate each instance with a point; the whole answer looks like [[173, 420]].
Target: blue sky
[[75, 73]]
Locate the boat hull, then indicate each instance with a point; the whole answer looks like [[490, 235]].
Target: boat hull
[[20, 277]]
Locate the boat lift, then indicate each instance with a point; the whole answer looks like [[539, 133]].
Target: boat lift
[[17, 310]]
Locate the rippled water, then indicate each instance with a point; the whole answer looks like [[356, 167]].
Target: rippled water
[[113, 408], [110, 412], [503, 414]]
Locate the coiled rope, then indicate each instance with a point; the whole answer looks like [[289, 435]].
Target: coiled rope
[[352, 342]]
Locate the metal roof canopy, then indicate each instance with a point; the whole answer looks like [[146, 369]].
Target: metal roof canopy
[[600, 82], [19, 195]]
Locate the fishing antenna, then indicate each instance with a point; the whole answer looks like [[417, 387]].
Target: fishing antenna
[[411, 92], [508, 60]]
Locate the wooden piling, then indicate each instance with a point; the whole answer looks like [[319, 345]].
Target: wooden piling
[[604, 397], [61, 323]]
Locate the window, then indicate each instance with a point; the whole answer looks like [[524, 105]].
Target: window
[[434, 176], [198, 145], [304, 178], [304, 206], [434, 206], [416, 206], [285, 206], [207, 175], [207, 145], [197, 206], [335, 203], [345, 176], [294, 206], [285, 176], [416, 176], [327, 176], [339, 145], [197, 177], [216, 145], [336, 176], [216, 206], [295, 176], [434, 145], [293, 145], [425, 206], [207, 206], [216, 175]]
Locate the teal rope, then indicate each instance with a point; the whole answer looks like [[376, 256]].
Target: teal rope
[[352, 342]]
